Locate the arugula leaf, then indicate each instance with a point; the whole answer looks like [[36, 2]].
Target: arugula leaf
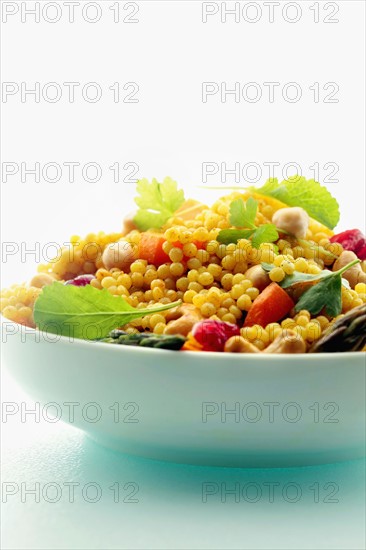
[[243, 215], [266, 233], [298, 277], [157, 202], [309, 194], [326, 294], [85, 312], [227, 236]]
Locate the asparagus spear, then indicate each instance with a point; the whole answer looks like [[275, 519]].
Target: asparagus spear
[[145, 339]]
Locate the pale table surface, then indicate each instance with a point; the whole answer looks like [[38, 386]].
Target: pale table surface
[[169, 512]]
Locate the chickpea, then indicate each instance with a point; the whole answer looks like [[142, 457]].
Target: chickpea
[[354, 275], [238, 344], [258, 276], [120, 254], [42, 279], [294, 220], [128, 223]]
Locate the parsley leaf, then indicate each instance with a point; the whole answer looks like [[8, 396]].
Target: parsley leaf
[[308, 194], [85, 312], [266, 233], [157, 202], [227, 236], [243, 215]]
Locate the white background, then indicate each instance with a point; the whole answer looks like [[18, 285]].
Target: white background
[[169, 53], [170, 131]]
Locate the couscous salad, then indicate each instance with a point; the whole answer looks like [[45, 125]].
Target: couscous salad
[[259, 271]]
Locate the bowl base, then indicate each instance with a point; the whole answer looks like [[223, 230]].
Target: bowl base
[[225, 459]]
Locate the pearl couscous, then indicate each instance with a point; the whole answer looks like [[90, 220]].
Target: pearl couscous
[[253, 286]]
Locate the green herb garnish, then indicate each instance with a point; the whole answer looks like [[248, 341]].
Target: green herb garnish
[[243, 215], [324, 292], [316, 247], [85, 312], [266, 233], [308, 194], [157, 202], [227, 236], [297, 277]]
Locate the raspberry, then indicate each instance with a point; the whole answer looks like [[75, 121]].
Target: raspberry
[[352, 239], [81, 280], [212, 335]]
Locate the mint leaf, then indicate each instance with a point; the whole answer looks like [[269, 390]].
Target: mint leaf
[[85, 312], [266, 233], [243, 214], [326, 294], [157, 202], [227, 236], [308, 194]]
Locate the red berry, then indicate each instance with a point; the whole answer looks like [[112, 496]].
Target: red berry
[[212, 335], [352, 239], [81, 280], [361, 252]]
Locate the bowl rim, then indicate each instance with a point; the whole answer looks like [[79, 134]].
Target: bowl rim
[[200, 356]]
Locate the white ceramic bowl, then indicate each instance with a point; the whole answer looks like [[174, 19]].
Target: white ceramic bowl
[[201, 408]]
